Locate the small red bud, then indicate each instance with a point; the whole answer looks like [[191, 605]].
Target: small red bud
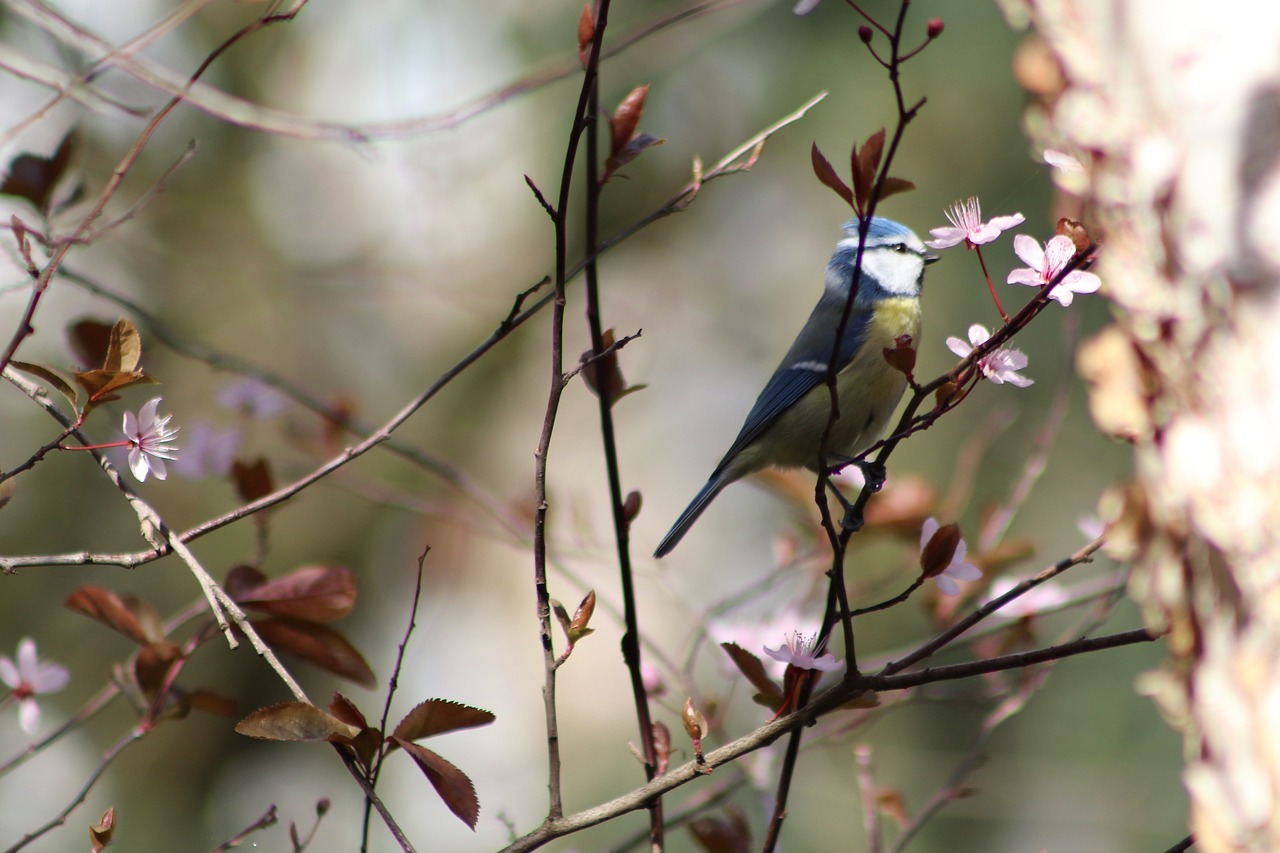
[[865, 33], [934, 28]]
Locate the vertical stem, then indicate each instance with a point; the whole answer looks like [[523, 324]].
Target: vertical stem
[[631, 649]]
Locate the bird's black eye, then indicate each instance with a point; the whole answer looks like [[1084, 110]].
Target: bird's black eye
[[900, 248]]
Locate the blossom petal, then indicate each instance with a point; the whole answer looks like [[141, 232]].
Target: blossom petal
[[945, 238], [959, 347], [946, 585], [1028, 250], [29, 715], [929, 528]]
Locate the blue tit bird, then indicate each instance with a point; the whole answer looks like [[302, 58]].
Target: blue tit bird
[[786, 424]]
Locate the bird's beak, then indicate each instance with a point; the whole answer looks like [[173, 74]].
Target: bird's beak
[[931, 258]]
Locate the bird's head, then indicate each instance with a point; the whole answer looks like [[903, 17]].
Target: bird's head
[[893, 261]]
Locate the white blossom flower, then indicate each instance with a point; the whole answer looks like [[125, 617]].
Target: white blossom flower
[[149, 438], [967, 226], [1043, 266], [1000, 365], [797, 650], [28, 678]]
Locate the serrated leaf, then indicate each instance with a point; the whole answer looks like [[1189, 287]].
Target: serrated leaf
[[367, 743], [252, 479], [53, 378], [311, 593], [437, 716], [751, 666], [295, 721], [827, 175], [318, 645], [450, 783], [108, 608]]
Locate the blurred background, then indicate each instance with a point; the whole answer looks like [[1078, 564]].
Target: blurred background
[[360, 271]]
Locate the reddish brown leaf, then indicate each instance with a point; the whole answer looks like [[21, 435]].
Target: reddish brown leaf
[[661, 746], [34, 177], [313, 593], [936, 555], [109, 609], [100, 833], [586, 33], [902, 356], [893, 186], [753, 669], [101, 385], [317, 645], [822, 168], [602, 373], [636, 146], [242, 580], [295, 721], [866, 162], [344, 709], [578, 628], [631, 506], [437, 716], [212, 703], [89, 341], [626, 118], [252, 479], [151, 666], [731, 834], [367, 743], [450, 783]]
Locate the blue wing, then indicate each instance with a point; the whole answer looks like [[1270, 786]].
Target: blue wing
[[802, 369]]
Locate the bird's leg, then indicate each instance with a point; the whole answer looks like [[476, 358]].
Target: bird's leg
[[874, 475]]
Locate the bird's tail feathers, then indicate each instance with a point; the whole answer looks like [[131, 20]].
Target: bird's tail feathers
[[690, 515]]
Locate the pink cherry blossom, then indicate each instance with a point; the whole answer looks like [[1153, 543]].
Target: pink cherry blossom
[[967, 226], [149, 438], [28, 678], [1000, 365], [1044, 265]]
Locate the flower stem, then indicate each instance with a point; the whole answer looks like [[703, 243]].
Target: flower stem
[[991, 287]]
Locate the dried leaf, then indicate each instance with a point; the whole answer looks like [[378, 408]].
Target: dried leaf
[[295, 721], [252, 479], [437, 716], [109, 609], [827, 175], [318, 645], [311, 593], [450, 783]]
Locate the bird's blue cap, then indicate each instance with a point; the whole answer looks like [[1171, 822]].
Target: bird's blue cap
[[880, 229]]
